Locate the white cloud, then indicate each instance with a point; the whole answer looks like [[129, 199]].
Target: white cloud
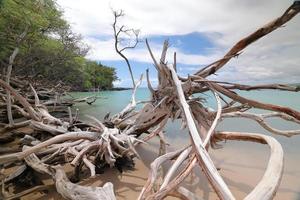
[[122, 82], [104, 50], [230, 17], [275, 57]]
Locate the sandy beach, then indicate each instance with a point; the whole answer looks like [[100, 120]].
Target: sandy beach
[[241, 172]]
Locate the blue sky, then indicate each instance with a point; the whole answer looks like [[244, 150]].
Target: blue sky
[[199, 31], [192, 43]]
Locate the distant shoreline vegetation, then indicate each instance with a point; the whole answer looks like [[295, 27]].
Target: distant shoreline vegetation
[[47, 47], [108, 89]]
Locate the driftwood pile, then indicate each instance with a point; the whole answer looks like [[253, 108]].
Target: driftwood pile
[[29, 120], [104, 142]]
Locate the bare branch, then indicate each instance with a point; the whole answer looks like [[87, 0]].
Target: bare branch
[[8, 98], [117, 35], [215, 122], [149, 83], [234, 86], [260, 118], [269, 183], [203, 157], [154, 169], [36, 97], [175, 166], [9, 70], [131, 106], [292, 11], [21, 99], [156, 65], [256, 104]]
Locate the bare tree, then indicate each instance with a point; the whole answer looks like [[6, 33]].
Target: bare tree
[[130, 41]]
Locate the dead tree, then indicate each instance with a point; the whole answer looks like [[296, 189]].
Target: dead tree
[[131, 43], [172, 99]]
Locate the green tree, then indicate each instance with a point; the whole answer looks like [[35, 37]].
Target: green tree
[[35, 17], [99, 76], [49, 49]]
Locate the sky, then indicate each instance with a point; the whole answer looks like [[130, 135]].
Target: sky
[[199, 31]]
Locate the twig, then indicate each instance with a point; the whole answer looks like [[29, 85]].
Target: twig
[[117, 40]]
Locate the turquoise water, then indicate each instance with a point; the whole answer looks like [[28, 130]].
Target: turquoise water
[[239, 160], [115, 101]]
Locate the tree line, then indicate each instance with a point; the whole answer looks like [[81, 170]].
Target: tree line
[[48, 48]]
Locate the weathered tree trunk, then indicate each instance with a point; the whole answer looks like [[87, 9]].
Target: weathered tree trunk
[[93, 144]]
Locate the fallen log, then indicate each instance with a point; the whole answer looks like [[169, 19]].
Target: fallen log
[[98, 144], [67, 189]]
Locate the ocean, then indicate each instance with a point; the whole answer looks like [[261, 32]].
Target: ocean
[[242, 163]]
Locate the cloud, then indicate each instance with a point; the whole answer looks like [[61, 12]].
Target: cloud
[[104, 50], [121, 82], [274, 57], [232, 18]]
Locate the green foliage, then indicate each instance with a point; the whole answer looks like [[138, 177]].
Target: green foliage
[[35, 17], [49, 48], [99, 76]]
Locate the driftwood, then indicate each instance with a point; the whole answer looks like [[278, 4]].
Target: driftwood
[[103, 143], [67, 189]]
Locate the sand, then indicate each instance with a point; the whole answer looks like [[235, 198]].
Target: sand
[[241, 169]]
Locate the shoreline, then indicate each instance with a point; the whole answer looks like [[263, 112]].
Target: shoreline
[[96, 90]]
